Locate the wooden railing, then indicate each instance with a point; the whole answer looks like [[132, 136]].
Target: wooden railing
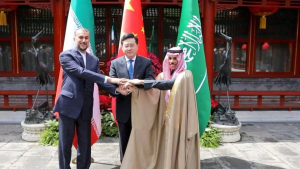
[[260, 99], [238, 99], [23, 99]]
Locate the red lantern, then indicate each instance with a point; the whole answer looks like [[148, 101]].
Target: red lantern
[[263, 12], [3, 9], [244, 47], [265, 46]]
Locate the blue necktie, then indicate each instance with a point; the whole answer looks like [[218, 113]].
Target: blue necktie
[[130, 69]]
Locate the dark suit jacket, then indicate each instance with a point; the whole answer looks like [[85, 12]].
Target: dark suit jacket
[[78, 84], [118, 68], [159, 84]]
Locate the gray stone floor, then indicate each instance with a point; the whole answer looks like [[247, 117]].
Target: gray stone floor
[[263, 146]]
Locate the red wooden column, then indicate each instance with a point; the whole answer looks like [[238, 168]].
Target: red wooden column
[[59, 24], [208, 37]]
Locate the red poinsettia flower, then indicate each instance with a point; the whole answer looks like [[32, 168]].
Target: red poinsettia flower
[[105, 102], [214, 103]]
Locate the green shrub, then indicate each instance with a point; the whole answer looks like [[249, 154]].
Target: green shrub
[[211, 137], [109, 127], [50, 135]]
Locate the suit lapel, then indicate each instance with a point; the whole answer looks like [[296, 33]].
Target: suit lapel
[[88, 61], [79, 57], [136, 67], [123, 68]]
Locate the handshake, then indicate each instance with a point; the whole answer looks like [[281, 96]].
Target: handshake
[[125, 85]]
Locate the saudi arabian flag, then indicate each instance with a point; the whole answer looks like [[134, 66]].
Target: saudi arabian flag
[[191, 41], [81, 16]]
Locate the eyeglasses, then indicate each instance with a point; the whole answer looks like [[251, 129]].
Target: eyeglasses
[[129, 45]]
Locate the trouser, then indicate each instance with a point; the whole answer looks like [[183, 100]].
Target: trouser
[[67, 127]]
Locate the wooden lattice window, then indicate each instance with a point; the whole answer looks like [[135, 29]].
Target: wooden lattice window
[[32, 20], [150, 17], [100, 31], [171, 19], [5, 46], [275, 45], [280, 25], [233, 22]]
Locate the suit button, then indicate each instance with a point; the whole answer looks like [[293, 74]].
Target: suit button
[[84, 89]]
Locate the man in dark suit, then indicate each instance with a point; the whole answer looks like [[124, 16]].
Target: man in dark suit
[[130, 66], [75, 102]]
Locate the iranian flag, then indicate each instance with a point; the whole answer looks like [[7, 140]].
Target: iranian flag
[[190, 39], [81, 16], [132, 22]]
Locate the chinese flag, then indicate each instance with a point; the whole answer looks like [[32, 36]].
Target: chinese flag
[[132, 22]]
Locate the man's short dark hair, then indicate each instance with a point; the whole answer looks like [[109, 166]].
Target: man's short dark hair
[[128, 36]]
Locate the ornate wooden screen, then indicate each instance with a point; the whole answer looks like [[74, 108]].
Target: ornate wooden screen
[[171, 19], [32, 20], [100, 31], [280, 25], [150, 17], [233, 22]]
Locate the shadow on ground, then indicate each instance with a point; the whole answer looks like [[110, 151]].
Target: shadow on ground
[[226, 162]]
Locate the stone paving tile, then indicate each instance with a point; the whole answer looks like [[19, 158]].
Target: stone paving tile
[[263, 165], [38, 162], [99, 149], [249, 127], [211, 163], [17, 146], [293, 162], [245, 139], [284, 135], [234, 163], [205, 154], [263, 137], [260, 155], [7, 137], [294, 145], [9, 157], [297, 132], [262, 146], [227, 150], [281, 150], [38, 150], [277, 126]]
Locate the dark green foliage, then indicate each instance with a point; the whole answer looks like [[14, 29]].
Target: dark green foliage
[[50, 136], [109, 127]]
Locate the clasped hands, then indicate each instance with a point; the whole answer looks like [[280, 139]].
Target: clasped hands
[[125, 85]]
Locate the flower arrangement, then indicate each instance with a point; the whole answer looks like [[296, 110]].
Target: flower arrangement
[[105, 102], [156, 66]]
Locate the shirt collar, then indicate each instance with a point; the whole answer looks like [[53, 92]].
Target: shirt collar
[[126, 58], [82, 54]]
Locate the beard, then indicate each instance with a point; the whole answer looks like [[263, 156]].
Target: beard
[[82, 48]]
